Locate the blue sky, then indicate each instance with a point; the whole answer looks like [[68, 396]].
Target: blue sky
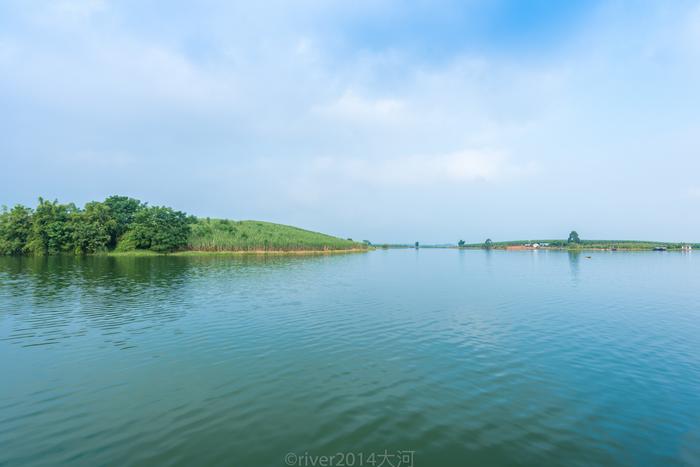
[[382, 120]]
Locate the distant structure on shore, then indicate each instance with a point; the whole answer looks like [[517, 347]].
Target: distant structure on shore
[[687, 247], [526, 246]]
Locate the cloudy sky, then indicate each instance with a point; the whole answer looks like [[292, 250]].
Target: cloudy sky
[[384, 120]]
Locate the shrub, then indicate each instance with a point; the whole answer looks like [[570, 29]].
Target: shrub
[[160, 229], [15, 228], [92, 228], [52, 229]]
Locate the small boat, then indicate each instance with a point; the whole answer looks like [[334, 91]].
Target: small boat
[[660, 248]]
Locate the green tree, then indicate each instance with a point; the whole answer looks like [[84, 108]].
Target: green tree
[[15, 228], [93, 228], [123, 209], [573, 237], [51, 228], [461, 243], [488, 243], [159, 228]]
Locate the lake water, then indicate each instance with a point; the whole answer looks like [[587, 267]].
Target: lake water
[[452, 357]]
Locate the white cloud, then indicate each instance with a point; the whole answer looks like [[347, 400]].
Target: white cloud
[[315, 181], [116, 74], [420, 170], [351, 106], [213, 91]]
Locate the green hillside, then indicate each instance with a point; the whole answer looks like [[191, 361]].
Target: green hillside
[[123, 225], [227, 235]]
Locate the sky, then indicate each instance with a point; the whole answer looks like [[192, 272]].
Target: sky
[[386, 120]]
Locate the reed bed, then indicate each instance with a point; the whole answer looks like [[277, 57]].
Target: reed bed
[[227, 235]]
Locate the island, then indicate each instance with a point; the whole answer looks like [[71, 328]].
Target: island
[[121, 225]]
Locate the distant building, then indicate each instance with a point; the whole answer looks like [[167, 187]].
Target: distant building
[[535, 245], [687, 247]]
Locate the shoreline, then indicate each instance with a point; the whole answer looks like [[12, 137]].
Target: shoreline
[[136, 253], [570, 249]]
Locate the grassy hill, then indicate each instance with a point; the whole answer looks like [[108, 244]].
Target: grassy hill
[[227, 235], [123, 225]]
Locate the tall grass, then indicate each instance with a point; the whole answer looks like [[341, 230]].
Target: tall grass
[[226, 235]]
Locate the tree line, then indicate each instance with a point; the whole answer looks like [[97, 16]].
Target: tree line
[[573, 239], [117, 223]]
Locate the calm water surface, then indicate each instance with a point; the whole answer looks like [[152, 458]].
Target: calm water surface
[[464, 357]]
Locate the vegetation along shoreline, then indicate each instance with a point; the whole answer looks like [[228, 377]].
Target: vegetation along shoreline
[[574, 242], [120, 225], [123, 226]]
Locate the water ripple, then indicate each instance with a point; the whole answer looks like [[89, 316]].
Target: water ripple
[[485, 358]]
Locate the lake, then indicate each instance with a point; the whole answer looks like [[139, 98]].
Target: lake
[[450, 357]]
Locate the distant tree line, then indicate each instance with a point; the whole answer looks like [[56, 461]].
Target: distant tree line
[[118, 222], [573, 239], [575, 242]]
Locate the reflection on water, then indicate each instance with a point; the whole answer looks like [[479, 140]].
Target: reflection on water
[[50, 294], [465, 357], [574, 260]]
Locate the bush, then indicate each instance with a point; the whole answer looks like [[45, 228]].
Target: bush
[[92, 228], [52, 228], [159, 229], [123, 209], [126, 242], [15, 228]]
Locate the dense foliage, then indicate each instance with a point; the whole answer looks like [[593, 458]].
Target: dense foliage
[[125, 224], [53, 225], [159, 229], [53, 228], [92, 228], [15, 228], [123, 211]]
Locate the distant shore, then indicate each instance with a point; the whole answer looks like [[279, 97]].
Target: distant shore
[[583, 248], [590, 245], [558, 245]]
